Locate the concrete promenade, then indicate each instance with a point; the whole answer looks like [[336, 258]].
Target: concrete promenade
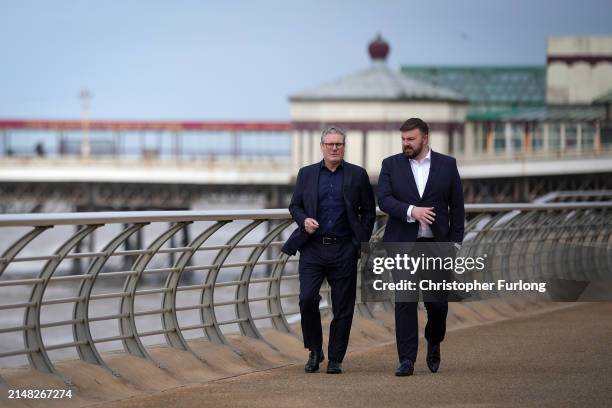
[[556, 359]]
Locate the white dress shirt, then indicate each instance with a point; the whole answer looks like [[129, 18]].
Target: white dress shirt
[[420, 170]]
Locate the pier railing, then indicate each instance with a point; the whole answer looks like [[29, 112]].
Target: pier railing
[[176, 275]]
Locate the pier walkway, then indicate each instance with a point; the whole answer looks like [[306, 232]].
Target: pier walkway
[[556, 359]]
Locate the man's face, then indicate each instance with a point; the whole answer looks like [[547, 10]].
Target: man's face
[[413, 143], [333, 148]]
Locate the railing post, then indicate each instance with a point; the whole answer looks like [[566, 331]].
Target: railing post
[[243, 309], [207, 313], [127, 323], [32, 336], [169, 318], [81, 329]]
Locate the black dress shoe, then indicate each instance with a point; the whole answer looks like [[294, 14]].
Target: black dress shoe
[[433, 357], [314, 358], [334, 367], [406, 368]]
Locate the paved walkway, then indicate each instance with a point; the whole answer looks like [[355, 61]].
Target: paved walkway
[[557, 359]]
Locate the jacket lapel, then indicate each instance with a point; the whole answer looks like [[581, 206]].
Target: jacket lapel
[[433, 170], [346, 182], [411, 179], [315, 188]]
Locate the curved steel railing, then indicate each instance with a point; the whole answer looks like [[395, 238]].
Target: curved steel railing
[[232, 271]]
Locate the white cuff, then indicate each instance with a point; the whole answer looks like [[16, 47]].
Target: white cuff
[[409, 214]]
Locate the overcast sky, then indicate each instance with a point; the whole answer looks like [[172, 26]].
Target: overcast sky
[[239, 60]]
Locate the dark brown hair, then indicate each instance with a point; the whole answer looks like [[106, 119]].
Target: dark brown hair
[[415, 123]]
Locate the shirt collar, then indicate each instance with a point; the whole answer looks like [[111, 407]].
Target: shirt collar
[[322, 165], [426, 158]]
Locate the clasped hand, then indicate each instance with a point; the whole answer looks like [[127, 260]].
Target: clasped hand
[[310, 225], [424, 215]]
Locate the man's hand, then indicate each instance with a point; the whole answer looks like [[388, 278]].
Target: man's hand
[[424, 215], [310, 225]]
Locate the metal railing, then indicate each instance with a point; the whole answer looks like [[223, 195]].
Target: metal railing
[[243, 261], [483, 157]]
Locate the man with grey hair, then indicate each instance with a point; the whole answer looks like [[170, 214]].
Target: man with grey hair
[[333, 206]]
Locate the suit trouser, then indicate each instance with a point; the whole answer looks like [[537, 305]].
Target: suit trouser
[[338, 264], [407, 323]]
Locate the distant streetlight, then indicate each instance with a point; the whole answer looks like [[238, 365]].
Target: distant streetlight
[[85, 97]]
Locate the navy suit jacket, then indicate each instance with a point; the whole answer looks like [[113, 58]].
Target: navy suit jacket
[[358, 198], [397, 190]]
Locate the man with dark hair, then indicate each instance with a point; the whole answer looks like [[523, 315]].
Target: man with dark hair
[[333, 206], [416, 123], [421, 191]]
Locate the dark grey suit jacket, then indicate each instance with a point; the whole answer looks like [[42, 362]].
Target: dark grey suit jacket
[[358, 198], [397, 190]]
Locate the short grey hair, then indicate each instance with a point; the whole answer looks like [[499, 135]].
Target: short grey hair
[[333, 130]]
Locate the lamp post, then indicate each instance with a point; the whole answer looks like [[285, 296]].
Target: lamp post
[[85, 97]]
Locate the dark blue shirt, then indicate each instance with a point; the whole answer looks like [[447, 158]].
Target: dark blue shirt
[[331, 210]]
